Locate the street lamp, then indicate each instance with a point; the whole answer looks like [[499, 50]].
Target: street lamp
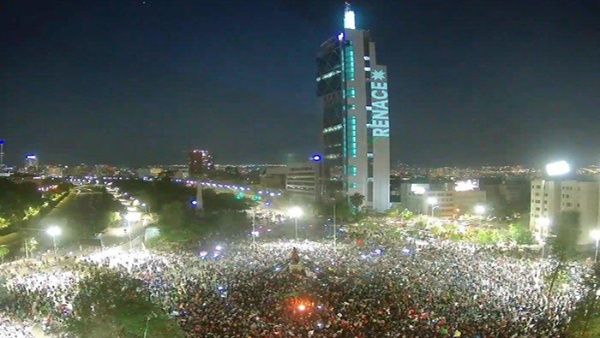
[[254, 232], [295, 213], [334, 228], [132, 216], [432, 201], [544, 224], [54, 231], [479, 209], [595, 234]]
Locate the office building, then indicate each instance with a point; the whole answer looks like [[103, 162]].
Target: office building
[[353, 90], [200, 163], [31, 163], [550, 197], [273, 177], [302, 181], [449, 199]]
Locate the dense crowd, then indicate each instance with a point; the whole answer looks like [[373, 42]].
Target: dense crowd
[[436, 290]]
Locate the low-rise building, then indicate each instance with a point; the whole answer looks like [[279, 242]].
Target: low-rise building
[[302, 180], [441, 199]]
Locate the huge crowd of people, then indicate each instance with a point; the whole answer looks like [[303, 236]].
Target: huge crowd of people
[[436, 289]]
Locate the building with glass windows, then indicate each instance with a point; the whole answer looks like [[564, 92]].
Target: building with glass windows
[[200, 163], [353, 90]]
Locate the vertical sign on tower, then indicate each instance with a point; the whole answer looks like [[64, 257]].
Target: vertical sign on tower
[[380, 129], [380, 121]]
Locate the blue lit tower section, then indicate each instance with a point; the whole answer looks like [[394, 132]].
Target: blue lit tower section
[[353, 91]]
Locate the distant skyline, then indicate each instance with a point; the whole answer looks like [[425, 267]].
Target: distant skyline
[[143, 82]]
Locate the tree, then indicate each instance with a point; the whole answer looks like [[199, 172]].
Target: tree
[[357, 200], [407, 215], [3, 252], [4, 223], [520, 234], [172, 215], [564, 242]]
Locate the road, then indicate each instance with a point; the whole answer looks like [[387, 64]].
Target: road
[[80, 217]]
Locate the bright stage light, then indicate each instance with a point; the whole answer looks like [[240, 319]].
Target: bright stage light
[[558, 168], [295, 212], [54, 231]]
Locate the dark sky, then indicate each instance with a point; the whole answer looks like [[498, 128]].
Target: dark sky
[[133, 82]]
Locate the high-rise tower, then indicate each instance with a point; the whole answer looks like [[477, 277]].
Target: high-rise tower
[[353, 90], [200, 163]]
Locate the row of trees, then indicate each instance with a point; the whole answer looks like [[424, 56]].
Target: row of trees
[[179, 221]]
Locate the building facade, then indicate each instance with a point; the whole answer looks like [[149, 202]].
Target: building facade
[[353, 89], [451, 199], [31, 163], [302, 180], [550, 197]]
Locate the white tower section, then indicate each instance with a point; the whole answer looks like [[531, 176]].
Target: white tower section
[[349, 18]]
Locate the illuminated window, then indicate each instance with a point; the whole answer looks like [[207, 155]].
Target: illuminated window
[[352, 137], [351, 92], [352, 170], [349, 62]]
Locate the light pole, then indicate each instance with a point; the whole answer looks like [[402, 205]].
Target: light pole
[[595, 234], [334, 229], [54, 231], [132, 216], [254, 227], [101, 241], [544, 224], [480, 210], [432, 201], [295, 212], [334, 225]]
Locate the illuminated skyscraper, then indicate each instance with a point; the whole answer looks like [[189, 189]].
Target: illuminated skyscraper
[[353, 91], [200, 162], [31, 163]]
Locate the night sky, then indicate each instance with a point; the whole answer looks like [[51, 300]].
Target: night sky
[[138, 82]]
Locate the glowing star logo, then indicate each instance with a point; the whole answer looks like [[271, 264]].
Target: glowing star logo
[[378, 75]]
